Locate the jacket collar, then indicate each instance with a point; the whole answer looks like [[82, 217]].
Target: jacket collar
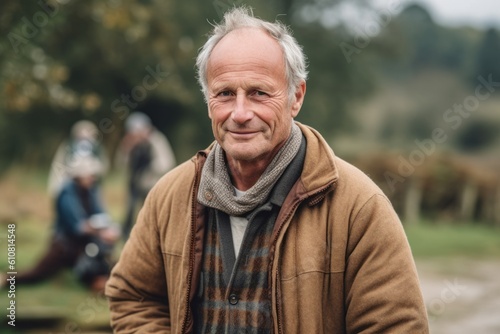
[[320, 172]]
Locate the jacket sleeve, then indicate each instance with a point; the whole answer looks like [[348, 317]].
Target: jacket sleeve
[[137, 287], [96, 200], [382, 289], [70, 213]]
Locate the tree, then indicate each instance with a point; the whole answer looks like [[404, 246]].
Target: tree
[[61, 61], [488, 55]]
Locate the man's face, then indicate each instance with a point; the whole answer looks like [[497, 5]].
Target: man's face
[[248, 96]]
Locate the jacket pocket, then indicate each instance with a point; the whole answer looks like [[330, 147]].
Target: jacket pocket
[[308, 249]]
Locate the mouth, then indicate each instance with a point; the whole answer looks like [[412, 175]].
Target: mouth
[[242, 134]]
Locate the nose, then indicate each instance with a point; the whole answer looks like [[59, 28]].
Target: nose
[[241, 112]]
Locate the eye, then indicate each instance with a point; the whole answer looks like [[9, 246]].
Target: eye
[[259, 93], [224, 93]]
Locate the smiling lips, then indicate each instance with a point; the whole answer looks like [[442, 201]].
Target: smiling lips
[[242, 134]]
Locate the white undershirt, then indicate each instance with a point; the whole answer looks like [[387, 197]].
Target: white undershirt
[[238, 227]]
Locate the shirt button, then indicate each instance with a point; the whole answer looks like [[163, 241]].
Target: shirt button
[[208, 195], [233, 299]]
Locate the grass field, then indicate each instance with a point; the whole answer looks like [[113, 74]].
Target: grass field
[[62, 305], [429, 240]]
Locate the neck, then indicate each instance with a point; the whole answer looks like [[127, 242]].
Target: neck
[[244, 174]]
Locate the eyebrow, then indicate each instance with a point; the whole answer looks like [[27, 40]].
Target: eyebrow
[[222, 86]]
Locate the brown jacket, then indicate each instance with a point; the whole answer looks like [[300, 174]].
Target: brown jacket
[[340, 261]]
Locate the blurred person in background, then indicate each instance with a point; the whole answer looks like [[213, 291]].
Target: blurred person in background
[[83, 142], [148, 156], [265, 231], [84, 234]]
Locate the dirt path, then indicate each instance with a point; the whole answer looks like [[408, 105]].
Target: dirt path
[[462, 295]]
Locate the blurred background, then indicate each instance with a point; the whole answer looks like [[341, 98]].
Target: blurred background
[[408, 91]]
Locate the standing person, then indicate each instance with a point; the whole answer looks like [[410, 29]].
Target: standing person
[[83, 235], [83, 142], [266, 231], [148, 156]]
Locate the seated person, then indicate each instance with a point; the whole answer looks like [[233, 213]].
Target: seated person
[[83, 235]]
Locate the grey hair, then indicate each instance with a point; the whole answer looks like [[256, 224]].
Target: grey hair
[[242, 17]]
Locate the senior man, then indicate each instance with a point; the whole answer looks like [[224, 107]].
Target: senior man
[[266, 231]]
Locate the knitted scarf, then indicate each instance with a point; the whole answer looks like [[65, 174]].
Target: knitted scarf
[[216, 190]]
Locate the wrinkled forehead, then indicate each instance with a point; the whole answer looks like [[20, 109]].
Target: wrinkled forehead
[[247, 46]]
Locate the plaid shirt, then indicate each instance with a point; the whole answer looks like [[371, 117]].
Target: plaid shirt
[[234, 296], [236, 299]]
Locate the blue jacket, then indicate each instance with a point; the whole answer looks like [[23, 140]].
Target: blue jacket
[[70, 212]]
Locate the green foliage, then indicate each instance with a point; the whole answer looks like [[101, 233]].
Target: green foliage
[[64, 61], [61, 61], [488, 55]]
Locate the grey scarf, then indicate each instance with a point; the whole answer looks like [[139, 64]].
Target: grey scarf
[[216, 190]]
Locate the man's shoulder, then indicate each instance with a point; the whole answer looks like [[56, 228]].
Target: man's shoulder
[[324, 164], [179, 176], [172, 196]]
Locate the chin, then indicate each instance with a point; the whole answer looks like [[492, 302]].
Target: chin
[[243, 156], [245, 151]]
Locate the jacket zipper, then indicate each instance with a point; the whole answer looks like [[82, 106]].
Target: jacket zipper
[[293, 209], [192, 256], [278, 296]]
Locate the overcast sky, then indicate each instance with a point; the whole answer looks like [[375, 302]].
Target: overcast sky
[[479, 13]]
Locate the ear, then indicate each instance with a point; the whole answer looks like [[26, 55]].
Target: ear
[[300, 92]]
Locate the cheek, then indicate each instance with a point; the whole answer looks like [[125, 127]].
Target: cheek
[[218, 112], [276, 105], [279, 123], [217, 124], [277, 112]]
